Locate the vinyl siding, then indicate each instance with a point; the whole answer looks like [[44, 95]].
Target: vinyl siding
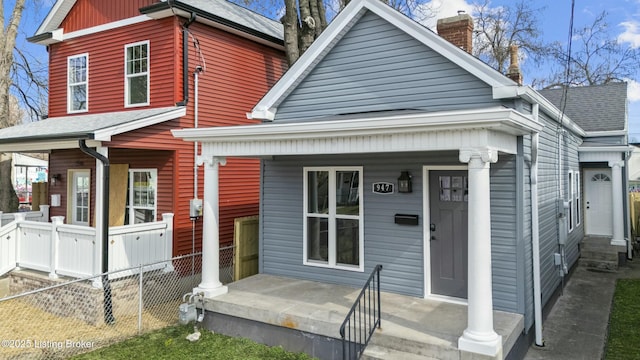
[[399, 248], [504, 233], [549, 176], [237, 74], [89, 13], [106, 66], [378, 67]]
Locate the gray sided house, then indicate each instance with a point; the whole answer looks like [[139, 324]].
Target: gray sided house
[[387, 144]]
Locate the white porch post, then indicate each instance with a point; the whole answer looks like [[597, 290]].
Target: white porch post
[[168, 241], [617, 203], [211, 285], [479, 336]]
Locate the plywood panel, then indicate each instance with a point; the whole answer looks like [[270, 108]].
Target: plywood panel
[[245, 258], [118, 178]]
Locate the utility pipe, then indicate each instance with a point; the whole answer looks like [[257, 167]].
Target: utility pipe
[[535, 233], [106, 287]]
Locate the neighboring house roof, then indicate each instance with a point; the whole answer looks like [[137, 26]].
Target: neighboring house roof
[[594, 108], [99, 127], [218, 11]]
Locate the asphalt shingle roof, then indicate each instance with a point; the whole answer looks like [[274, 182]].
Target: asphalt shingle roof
[[239, 15], [77, 126], [594, 108]]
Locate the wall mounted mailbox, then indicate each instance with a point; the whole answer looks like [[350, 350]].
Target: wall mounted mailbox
[[406, 219]]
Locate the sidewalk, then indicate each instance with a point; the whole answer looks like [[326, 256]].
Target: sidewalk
[[576, 327]]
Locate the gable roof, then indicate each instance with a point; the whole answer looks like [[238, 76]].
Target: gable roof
[[337, 29], [68, 129], [594, 108], [214, 12]]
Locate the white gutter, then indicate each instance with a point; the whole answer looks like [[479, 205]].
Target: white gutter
[[535, 233]]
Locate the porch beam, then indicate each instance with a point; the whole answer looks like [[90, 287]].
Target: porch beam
[[479, 336], [616, 196], [211, 285]]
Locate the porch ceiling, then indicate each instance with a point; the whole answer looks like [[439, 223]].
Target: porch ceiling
[[494, 128]]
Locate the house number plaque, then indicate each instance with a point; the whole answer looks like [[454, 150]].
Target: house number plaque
[[383, 188]]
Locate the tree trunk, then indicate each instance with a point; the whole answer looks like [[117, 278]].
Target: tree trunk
[[290, 22], [8, 198]]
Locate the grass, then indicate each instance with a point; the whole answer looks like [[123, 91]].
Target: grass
[[171, 343], [624, 328]]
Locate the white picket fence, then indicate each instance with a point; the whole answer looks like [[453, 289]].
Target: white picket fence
[[71, 250]]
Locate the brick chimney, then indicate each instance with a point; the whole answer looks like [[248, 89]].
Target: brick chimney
[[514, 72], [458, 30]]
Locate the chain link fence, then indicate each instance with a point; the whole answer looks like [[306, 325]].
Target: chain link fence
[[56, 318]]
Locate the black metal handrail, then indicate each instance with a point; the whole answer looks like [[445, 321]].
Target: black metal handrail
[[363, 318]]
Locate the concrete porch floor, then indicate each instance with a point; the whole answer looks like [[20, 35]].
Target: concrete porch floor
[[410, 325]]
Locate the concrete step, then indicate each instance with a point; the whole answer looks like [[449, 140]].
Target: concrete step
[[598, 255], [375, 352], [434, 348], [601, 265]]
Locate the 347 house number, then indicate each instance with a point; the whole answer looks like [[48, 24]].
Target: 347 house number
[[382, 188]]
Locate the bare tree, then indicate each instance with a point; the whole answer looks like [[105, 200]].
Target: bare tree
[[596, 58], [498, 28], [8, 197]]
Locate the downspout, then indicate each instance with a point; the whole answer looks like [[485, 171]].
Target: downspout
[[535, 233], [195, 125], [185, 60], [108, 305]]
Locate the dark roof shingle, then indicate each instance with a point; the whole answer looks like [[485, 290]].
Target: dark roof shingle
[[594, 108]]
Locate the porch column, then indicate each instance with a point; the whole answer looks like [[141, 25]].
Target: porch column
[[211, 285], [479, 336], [617, 203]]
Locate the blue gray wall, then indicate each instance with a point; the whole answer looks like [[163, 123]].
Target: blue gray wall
[[399, 248], [377, 67]]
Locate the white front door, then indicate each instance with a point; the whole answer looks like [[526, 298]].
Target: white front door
[[598, 202]]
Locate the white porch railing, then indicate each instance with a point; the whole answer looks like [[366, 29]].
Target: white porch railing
[[72, 250], [42, 215]]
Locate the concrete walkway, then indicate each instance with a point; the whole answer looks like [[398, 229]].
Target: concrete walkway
[[576, 327]]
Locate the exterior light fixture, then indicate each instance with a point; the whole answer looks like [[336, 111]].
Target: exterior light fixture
[[404, 182]]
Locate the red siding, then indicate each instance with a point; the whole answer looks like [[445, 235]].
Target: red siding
[[238, 73], [106, 66], [89, 13]]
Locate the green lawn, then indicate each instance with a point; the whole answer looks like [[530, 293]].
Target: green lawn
[[624, 328], [170, 343]]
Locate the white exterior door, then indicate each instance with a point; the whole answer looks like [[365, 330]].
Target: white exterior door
[[598, 202]]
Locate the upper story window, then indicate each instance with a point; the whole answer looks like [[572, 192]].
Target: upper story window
[[136, 85], [77, 83]]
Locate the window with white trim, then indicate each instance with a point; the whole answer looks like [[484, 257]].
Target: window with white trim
[[136, 85], [77, 83], [142, 196], [577, 196], [570, 212], [333, 217]]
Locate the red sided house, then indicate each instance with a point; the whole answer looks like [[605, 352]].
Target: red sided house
[[122, 75]]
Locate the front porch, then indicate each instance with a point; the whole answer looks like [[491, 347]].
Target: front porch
[[29, 241], [303, 315]]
